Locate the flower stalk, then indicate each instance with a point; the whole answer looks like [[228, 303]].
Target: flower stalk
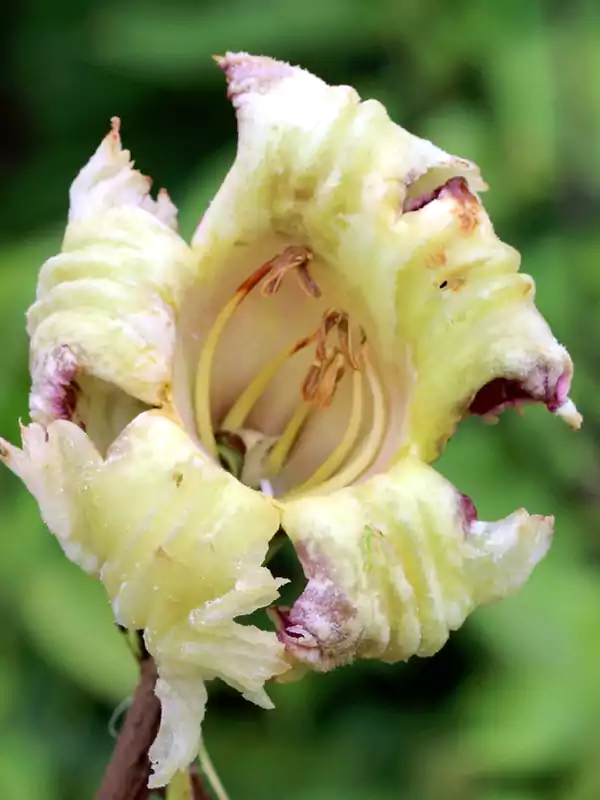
[[128, 771]]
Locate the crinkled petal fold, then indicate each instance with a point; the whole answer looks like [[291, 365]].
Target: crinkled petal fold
[[179, 546], [397, 224], [475, 340], [396, 564], [316, 164], [107, 304]]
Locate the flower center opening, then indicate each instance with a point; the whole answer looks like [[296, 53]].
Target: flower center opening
[[340, 354]]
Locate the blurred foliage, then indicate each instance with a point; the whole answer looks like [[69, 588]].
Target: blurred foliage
[[510, 709]]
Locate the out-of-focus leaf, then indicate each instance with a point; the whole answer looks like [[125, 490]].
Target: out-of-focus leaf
[[174, 43], [25, 769], [68, 618], [201, 188]]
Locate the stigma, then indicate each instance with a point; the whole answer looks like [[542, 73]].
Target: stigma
[[340, 354]]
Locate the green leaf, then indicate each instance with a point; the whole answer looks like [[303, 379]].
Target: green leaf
[[67, 616]]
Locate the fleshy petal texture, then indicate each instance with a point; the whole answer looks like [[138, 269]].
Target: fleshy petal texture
[[398, 222], [396, 564], [475, 339], [316, 164], [107, 304], [178, 544]]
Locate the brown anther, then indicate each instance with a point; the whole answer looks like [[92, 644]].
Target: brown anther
[[311, 382], [297, 258], [329, 363], [322, 380], [307, 284], [331, 318], [351, 351], [331, 375]]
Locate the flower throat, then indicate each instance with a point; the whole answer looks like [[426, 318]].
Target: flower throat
[[346, 355]]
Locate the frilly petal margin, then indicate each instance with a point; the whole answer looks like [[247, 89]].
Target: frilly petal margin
[[398, 222], [178, 544], [475, 339], [396, 564], [107, 304]]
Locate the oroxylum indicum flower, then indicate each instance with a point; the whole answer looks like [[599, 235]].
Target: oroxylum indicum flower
[[343, 305]]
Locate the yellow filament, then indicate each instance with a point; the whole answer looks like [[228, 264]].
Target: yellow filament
[[370, 446], [280, 451], [211, 773], [202, 388], [180, 787], [244, 404], [337, 457]]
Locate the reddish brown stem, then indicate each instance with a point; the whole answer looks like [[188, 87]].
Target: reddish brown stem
[[126, 777]]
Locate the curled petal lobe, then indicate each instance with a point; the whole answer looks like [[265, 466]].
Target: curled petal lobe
[[396, 564], [178, 544], [109, 181], [183, 702], [107, 305], [476, 342]]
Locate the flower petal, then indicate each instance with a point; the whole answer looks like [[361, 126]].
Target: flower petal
[[398, 224], [318, 166], [395, 564], [106, 306], [178, 544], [475, 340]]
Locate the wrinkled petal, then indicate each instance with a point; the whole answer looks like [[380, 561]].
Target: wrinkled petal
[[183, 703], [107, 304], [397, 225], [475, 339], [178, 544], [396, 564], [317, 165]]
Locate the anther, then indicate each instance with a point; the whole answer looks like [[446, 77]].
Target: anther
[[322, 387], [347, 346], [369, 448], [294, 258]]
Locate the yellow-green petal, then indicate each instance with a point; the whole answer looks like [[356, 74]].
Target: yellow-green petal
[[396, 564], [399, 239], [179, 546], [467, 317], [107, 305]]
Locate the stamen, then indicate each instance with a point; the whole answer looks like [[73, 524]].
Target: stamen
[[371, 444], [328, 366], [242, 407], [286, 441], [337, 457], [320, 384], [292, 258], [296, 258], [266, 487], [347, 345]]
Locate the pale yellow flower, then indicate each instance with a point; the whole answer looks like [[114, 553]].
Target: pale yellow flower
[[344, 304]]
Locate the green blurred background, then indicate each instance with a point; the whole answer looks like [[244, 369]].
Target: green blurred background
[[510, 709]]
